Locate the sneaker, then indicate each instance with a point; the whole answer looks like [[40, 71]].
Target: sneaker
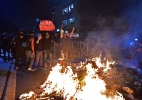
[[30, 69], [34, 69], [45, 68]]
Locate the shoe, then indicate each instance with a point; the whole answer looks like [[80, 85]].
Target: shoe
[[30, 69], [45, 68]]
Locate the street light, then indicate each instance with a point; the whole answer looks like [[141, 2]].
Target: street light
[[37, 20]]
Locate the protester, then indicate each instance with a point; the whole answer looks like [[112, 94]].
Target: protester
[[65, 43], [29, 51], [19, 49], [47, 50], [6, 48], [39, 51]]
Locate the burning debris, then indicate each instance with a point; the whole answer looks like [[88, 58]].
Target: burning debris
[[90, 80]]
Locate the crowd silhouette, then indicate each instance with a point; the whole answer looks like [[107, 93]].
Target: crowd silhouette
[[28, 50]]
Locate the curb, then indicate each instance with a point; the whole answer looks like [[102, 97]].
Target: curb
[[10, 85]]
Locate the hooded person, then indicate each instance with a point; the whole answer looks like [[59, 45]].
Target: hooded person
[[47, 48], [19, 50]]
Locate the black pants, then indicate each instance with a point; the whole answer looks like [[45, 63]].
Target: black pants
[[19, 57]]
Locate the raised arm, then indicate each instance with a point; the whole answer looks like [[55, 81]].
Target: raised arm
[[61, 32], [72, 32]]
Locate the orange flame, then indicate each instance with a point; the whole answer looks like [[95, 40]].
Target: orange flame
[[65, 83]]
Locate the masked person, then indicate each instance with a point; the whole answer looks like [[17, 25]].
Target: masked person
[[29, 51], [65, 44], [47, 49], [39, 51], [19, 49]]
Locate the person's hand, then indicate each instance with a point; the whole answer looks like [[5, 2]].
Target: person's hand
[[32, 52], [61, 27], [39, 37], [73, 28]]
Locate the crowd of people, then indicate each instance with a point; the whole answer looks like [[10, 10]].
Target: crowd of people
[[31, 51], [34, 50], [5, 47]]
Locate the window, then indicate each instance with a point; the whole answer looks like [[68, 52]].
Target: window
[[72, 6], [71, 20], [65, 11], [64, 23], [68, 9]]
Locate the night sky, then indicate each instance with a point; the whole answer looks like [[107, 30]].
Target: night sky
[[25, 12]]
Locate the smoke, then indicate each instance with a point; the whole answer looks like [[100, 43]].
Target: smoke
[[133, 12], [111, 33], [106, 43]]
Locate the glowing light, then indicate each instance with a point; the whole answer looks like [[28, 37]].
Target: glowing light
[[72, 6], [136, 39], [65, 83], [57, 30], [131, 43], [26, 96], [37, 20]]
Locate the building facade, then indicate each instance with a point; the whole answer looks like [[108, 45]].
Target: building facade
[[66, 15]]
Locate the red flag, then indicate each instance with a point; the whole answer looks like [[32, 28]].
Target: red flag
[[46, 25]]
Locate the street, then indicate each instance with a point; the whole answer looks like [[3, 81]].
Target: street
[[30, 81], [27, 81]]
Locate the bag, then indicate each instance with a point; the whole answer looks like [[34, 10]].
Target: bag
[[24, 44]]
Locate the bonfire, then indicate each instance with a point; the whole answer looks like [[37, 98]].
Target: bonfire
[[85, 81]]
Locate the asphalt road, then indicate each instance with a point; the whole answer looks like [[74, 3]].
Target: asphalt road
[[30, 81]]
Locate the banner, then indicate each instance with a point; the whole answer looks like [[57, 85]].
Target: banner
[[46, 25]]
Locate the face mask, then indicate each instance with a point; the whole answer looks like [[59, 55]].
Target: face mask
[[21, 36]]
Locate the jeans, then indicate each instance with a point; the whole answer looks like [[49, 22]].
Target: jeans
[[29, 58], [39, 58], [47, 53], [19, 57]]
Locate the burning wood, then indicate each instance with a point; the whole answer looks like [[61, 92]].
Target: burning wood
[[27, 96], [94, 80]]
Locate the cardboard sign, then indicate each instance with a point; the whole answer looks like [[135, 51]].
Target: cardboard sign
[[46, 25]]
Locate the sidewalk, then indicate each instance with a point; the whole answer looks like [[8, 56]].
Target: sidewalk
[[7, 81]]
